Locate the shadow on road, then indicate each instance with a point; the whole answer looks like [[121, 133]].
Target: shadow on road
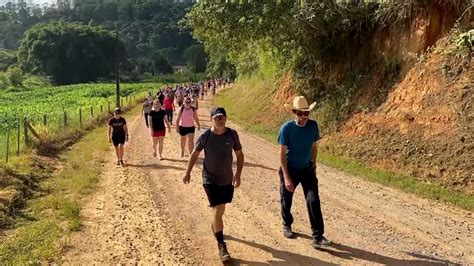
[[282, 257], [350, 253], [155, 166]]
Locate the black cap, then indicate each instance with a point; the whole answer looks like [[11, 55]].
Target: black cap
[[218, 111], [117, 110]]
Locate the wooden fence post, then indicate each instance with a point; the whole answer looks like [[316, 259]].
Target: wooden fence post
[[25, 120], [65, 119], [18, 137], [80, 117], [8, 140], [92, 112], [45, 119], [101, 109]]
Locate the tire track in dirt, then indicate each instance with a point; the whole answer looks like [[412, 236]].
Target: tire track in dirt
[[143, 213]]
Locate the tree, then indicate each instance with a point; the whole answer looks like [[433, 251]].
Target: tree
[[196, 58], [161, 64], [69, 52]]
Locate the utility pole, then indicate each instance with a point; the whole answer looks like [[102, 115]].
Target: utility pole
[[117, 71], [195, 68]]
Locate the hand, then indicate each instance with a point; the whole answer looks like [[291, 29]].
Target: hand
[[236, 181], [177, 129], [289, 185], [126, 138], [199, 128], [186, 178], [110, 139]]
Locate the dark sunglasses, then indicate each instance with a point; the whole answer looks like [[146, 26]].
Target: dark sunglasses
[[187, 102], [301, 113], [219, 118]]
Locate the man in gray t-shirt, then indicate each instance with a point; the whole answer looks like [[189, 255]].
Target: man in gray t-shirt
[[219, 180]]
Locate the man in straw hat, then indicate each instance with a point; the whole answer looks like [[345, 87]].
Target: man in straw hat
[[298, 140]]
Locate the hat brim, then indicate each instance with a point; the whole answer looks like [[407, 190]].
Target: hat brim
[[292, 107], [220, 114]]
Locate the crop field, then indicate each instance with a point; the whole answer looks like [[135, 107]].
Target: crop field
[[54, 109]]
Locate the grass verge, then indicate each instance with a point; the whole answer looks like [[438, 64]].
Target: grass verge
[[43, 227], [246, 114]]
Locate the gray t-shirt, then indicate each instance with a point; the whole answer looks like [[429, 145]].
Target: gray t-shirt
[[218, 156]]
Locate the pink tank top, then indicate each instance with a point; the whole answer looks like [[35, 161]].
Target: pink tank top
[[187, 118]]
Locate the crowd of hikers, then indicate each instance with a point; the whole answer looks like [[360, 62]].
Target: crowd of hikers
[[297, 139]]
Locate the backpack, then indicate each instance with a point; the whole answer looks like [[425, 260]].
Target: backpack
[[208, 132], [182, 108]]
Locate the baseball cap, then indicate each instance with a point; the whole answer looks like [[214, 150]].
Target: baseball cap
[[218, 111], [117, 110]]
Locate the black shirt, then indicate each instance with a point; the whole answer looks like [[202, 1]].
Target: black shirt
[[117, 125], [157, 119]]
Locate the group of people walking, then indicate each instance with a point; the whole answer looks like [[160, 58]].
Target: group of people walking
[[298, 142]]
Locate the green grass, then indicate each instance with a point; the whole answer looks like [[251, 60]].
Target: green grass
[[246, 114], [44, 227]]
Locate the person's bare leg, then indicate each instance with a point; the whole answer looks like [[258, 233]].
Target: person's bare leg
[[117, 152], [190, 143], [183, 144], [160, 147], [121, 152], [217, 222], [155, 142]]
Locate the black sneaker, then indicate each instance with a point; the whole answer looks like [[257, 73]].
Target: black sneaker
[[287, 232], [321, 242], [118, 162], [121, 162], [223, 253]]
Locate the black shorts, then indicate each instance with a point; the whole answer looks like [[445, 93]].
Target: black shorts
[[118, 139], [218, 195], [183, 131]]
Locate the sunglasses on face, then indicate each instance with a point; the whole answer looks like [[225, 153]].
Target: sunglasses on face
[[302, 113], [220, 118], [187, 102]]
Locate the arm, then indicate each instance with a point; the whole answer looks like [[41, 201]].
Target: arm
[[284, 167], [240, 165], [109, 134], [191, 163], [314, 154], [126, 131], [196, 119], [177, 121], [150, 123], [167, 123]]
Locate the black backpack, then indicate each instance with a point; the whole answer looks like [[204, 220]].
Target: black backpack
[[208, 132]]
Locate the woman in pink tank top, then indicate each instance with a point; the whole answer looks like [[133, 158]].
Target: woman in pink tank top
[[187, 115]]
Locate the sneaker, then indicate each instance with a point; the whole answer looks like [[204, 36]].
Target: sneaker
[[118, 162], [321, 242], [287, 232], [223, 253], [121, 162]]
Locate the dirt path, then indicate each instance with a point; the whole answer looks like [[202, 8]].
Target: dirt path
[[142, 213]]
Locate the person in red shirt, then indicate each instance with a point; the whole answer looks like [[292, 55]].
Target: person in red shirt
[[169, 106]]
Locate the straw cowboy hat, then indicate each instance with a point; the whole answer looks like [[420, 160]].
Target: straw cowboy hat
[[300, 104]]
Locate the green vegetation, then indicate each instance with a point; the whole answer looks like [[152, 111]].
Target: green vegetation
[[68, 52], [260, 117], [146, 29], [55, 111], [44, 234]]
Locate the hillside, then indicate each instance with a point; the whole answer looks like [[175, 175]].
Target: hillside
[[401, 100]]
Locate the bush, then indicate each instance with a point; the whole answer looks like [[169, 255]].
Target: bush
[[15, 76]]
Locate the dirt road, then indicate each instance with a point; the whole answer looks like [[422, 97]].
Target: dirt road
[[143, 213]]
